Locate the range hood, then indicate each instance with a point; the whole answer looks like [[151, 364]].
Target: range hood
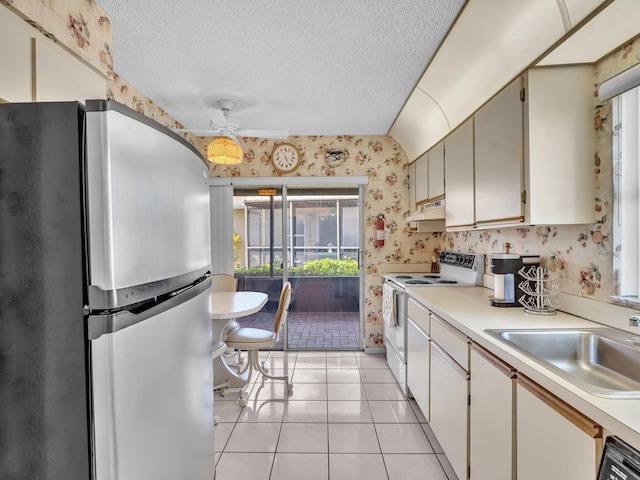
[[428, 211]]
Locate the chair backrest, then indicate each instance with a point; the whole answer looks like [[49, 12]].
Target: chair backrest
[[283, 308], [223, 282]]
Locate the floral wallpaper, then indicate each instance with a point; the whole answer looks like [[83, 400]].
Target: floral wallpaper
[[383, 160], [582, 253], [81, 26]]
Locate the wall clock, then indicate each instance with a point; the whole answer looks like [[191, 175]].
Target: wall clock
[[285, 158]]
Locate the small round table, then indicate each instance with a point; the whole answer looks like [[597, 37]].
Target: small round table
[[226, 306]]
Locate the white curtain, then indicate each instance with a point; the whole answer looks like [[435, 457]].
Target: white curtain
[[221, 197]]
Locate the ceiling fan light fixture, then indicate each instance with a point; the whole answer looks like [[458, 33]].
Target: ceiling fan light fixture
[[224, 151]]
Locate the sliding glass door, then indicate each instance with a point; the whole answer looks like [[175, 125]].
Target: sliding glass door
[[310, 238], [323, 263]]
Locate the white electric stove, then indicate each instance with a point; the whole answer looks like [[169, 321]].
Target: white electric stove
[[456, 270]]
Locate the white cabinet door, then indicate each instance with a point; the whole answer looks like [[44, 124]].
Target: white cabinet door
[[60, 76], [491, 417], [412, 188], [15, 57], [458, 168], [422, 180], [449, 415], [554, 441], [499, 157], [418, 366], [436, 171], [558, 147]]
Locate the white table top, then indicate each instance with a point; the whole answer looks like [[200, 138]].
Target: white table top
[[226, 305]]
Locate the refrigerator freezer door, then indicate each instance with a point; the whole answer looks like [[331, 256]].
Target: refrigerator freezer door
[[152, 395], [148, 208]]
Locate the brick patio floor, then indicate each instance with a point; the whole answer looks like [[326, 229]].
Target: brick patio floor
[[313, 330]]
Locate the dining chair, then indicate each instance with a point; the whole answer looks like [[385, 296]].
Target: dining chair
[[254, 339], [224, 282]]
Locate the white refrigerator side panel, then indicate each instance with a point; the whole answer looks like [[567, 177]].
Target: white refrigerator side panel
[[152, 397], [148, 204]]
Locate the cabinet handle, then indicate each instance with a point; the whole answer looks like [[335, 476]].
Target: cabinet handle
[[585, 424], [501, 366], [451, 328], [419, 329], [461, 371]]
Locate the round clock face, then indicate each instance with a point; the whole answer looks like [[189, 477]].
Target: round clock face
[[285, 158]]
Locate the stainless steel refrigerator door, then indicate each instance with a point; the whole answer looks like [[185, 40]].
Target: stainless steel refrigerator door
[[152, 395], [148, 209]]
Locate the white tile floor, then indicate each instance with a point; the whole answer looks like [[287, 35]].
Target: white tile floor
[[347, 419]]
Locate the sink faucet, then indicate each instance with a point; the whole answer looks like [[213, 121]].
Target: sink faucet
[[634, 320]]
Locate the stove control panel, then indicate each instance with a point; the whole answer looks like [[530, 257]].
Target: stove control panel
[[472, 261]]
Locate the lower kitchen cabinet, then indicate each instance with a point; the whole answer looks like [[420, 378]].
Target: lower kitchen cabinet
[[450, 408], [554, 441], [492, 417]]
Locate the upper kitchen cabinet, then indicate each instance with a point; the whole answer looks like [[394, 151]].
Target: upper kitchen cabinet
[[534, 153], [421, 181], [15, 57], [460, 190], [428, 170], [412, 187], [61, 76], [35, 68], [436, 172]]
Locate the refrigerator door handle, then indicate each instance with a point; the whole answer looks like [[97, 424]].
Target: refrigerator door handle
[[102, 324]]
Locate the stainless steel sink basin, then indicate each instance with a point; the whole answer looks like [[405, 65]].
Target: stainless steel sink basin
[[602, 361]]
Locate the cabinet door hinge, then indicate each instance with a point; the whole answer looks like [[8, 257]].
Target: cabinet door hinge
[[522, 95], [469, 471], [523, 196], [469, 400]]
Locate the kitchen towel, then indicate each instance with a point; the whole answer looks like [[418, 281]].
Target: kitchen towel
[[389, 305]]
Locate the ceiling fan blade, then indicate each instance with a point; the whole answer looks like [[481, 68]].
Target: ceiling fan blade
[[215, 115], [200, 133], [282, 134]]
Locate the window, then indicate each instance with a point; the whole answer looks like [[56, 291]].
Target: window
[[626, 227]]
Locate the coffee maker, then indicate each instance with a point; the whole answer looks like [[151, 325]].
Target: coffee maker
[[505, 268]]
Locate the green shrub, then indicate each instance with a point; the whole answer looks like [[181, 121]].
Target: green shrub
[[327, 267]]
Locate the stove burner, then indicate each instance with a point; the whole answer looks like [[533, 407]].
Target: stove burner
[[417, 282], [447, 281], [431, 276], [403, 276]]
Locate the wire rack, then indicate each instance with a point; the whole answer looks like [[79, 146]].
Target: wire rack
[[540, 290]]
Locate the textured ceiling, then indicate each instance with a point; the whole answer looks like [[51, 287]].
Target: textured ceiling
[[311, 67]]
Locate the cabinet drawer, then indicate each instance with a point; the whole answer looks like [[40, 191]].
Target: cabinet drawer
[[451, 340], [419, 314]]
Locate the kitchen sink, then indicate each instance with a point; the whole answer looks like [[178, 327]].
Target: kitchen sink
[[602, 361]]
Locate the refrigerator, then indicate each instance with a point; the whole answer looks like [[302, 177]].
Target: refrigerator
[[105, 332]]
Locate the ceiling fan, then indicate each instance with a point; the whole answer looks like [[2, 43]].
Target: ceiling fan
[[223, 125]]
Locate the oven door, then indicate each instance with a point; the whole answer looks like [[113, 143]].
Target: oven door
[[395, 334], [394, 325]]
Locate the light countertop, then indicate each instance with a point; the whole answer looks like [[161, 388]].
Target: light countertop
[[468, 309]]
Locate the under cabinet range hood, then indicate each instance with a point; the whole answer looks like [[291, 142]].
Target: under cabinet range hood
[[428, 211]]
